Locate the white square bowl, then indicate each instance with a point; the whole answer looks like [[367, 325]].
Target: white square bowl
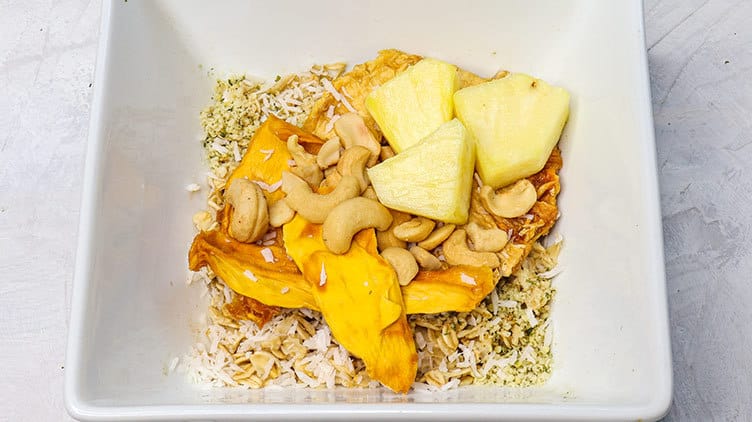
[[132, 311]]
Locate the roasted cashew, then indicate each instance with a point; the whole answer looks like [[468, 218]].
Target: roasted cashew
[[280, 213], [350, 217], [315, 207], [486, 239], [353, 163], [305, 164], [425, 259], [510, 202], [456, 252], [250, 217], [328, 154], [370, 193], [386, 153], [414, 230], [403, 262], [436, 237], [353, 131], [292, 181], [331, 177], [386, 238]]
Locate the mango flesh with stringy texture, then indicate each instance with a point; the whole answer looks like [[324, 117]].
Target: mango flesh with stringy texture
[[516, 122]]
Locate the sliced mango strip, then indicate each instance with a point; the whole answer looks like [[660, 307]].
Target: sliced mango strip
[[360, 298], [267, 155], [458, 289], [245, 270]]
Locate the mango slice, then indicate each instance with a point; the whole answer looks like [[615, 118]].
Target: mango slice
[[360, 298], [267, 155], [459, 288], [243, 267]]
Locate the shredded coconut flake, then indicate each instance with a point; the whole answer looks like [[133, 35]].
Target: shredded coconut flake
[[268, 255], [330, 124], [267, 153], [531, 317], [193, 187], [467, 279], [322, 275], [250, 275], [508, 303], [284, 290]]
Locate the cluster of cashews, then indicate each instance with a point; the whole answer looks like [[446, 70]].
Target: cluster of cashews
[[351, 205]]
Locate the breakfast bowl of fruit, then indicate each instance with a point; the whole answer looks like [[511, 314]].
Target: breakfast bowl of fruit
[[415, 223]]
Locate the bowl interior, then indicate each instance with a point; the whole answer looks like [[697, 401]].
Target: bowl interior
[[137, 313]]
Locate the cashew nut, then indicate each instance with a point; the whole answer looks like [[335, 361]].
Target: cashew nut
[[386, 238], [403, 262], [280, 213], [350, 217], [305, 164], [353, 131], [328, 154], [510, 202], [425, 259], [414, 230], [456, 252], [315, 207], [250, 217], [353, 163], [331, 178], [370, 193], [386, 153], [486, 239], [436, 237]]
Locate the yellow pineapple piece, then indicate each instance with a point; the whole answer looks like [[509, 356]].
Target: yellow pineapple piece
[[414, 103], [516, 122], [432, 178]]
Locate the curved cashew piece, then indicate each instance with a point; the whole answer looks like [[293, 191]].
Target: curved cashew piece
[[386, 153], [350, 217], [414, 230], [510, 202], [486, 239], [280, 213], [250, 217], [305, 164], [403, 262], [436, 237], [315, 207], [370, 193], [353, 131], [331, 177], [328, 154], [386, 238], [425, 259], [353, 163], [456, 252]]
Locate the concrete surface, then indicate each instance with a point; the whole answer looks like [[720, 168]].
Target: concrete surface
[[699, 54]]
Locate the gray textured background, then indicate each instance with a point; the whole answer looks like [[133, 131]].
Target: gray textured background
[[699, 53]]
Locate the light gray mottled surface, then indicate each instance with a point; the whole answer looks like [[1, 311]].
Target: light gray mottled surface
[[699, 54]]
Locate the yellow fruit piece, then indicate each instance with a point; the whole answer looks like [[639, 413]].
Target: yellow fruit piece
[[516, 121], [432, 178], [267, 155], [245, 270], [458, 288], [414, 103], [360, 298]]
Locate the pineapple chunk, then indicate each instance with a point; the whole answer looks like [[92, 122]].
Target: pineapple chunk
[[413, 104], [515, 121], [432, 178]]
